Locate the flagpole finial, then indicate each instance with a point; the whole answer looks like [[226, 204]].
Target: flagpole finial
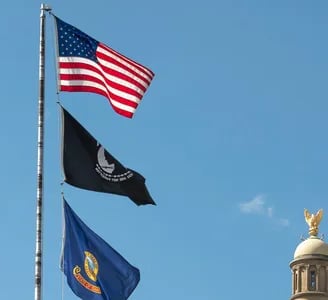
[[45, 7]]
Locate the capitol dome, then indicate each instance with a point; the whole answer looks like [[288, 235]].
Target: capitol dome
[[310, 264], [311, 246]]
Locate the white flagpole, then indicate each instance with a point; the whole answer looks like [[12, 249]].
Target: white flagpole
[[39, 198]]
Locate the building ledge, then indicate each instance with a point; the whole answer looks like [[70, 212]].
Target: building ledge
[[308, 293]]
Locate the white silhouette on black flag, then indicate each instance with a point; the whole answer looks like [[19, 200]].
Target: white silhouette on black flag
[[87, 165]]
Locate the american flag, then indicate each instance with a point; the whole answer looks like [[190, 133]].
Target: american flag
[[86, 65]]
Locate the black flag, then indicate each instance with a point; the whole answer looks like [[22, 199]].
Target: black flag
[[89, 166]]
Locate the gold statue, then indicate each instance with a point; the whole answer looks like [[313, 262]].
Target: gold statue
[[313, 221]]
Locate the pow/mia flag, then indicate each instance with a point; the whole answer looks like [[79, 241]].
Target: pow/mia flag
[[87, 165]]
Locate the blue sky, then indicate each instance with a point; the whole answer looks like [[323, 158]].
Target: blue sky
[[231, 137]]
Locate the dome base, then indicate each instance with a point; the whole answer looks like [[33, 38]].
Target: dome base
[[310, 296]]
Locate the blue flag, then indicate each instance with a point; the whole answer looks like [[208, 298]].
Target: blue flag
[[94, 270]]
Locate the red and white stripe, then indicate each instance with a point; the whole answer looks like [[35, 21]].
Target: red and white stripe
[[120, 79]]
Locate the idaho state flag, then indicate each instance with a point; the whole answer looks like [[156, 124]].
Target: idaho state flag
[[94, 270], [89, 166]]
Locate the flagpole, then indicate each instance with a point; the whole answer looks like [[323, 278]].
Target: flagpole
[[39, 197]]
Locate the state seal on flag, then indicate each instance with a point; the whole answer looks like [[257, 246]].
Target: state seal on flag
[[91, 269]]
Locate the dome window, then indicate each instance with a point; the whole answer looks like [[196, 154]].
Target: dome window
[[312, 281]]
